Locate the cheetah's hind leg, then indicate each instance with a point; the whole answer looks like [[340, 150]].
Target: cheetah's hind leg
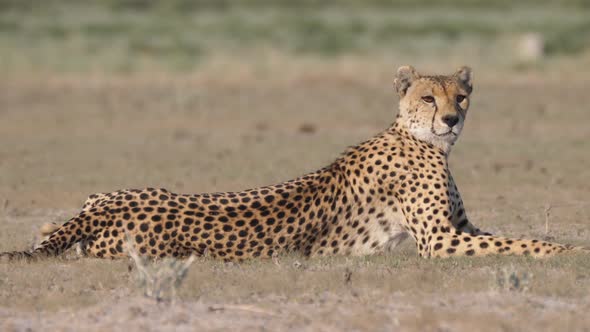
[[49, 228]]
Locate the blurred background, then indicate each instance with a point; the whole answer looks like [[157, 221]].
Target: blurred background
[[122, 36]]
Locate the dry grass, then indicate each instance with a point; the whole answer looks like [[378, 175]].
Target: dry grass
[[158, 279], [64, 137]]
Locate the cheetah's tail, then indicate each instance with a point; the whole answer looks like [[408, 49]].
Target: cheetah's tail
[[55, 239], [578, 249], [58, 239]]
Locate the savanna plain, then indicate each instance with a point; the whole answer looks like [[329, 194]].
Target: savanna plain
[[99, 98]]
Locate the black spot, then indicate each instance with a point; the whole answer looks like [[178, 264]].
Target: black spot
[[462, 224]]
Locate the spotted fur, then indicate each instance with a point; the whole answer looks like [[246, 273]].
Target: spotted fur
[[394, 185]]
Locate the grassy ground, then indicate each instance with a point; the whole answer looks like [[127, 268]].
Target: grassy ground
[[67, 137], [74, 121]]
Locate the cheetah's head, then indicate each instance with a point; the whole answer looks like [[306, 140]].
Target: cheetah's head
[[433, 108]]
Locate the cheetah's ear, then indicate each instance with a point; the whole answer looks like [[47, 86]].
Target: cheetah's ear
[[465, 77], [404, 78]]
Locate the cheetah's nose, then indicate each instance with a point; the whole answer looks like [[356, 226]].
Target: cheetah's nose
[[450, 120]]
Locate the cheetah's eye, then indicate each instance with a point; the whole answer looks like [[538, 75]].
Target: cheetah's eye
[[460, 98], [428, 99]]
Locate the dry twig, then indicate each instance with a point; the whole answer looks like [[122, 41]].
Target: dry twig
[[547, 215], [248, 308]]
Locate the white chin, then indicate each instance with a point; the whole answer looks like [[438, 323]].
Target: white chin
[[444, 141]]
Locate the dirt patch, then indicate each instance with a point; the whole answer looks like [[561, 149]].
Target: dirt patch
[[483, 311]]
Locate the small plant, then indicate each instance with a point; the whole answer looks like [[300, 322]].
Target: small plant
[[509, 279], [159, 279], [347, 277]]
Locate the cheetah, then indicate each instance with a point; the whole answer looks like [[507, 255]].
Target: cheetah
[[376, 194]]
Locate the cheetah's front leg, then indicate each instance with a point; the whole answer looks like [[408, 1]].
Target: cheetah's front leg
[[462, 244], [459, 217], [430, 222]]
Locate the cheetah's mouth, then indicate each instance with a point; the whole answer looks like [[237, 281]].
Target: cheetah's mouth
[[448, 133]]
